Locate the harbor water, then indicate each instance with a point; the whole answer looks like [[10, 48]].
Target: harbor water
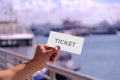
[[100, 56]]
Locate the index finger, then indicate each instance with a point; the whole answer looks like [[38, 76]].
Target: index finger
[[44, 47]]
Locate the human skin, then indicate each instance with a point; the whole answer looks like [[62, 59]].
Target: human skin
[[43, 54]]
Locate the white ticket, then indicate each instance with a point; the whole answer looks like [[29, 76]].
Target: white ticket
[[66, 42]]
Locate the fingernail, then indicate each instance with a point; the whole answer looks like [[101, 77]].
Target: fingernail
[[57, 47]]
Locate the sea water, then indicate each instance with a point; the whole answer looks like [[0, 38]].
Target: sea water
[[100, 56]]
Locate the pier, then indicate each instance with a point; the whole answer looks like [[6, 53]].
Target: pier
[[8, 59]]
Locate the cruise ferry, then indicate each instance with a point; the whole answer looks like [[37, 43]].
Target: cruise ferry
[[11, 35]]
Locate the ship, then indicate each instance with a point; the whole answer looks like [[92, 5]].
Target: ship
[[72, 27], [12, 35], [104, 31]]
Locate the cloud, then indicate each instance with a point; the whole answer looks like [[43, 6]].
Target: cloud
[[88, 11], [91, 12]]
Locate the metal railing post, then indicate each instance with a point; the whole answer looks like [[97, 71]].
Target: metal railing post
[[52, 75], [6, 61], [16, 60]]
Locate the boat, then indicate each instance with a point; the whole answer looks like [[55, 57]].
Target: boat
[[75, 28], [13, 36], [11, 33], [100, 31]]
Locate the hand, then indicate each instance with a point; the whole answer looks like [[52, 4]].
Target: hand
[[45, 53]]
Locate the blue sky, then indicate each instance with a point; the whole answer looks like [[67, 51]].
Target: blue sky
[[87, 11]]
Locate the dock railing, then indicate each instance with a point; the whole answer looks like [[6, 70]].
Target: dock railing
[[9, 59]]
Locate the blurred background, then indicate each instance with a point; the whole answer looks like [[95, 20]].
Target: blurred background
[[24, 23]]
